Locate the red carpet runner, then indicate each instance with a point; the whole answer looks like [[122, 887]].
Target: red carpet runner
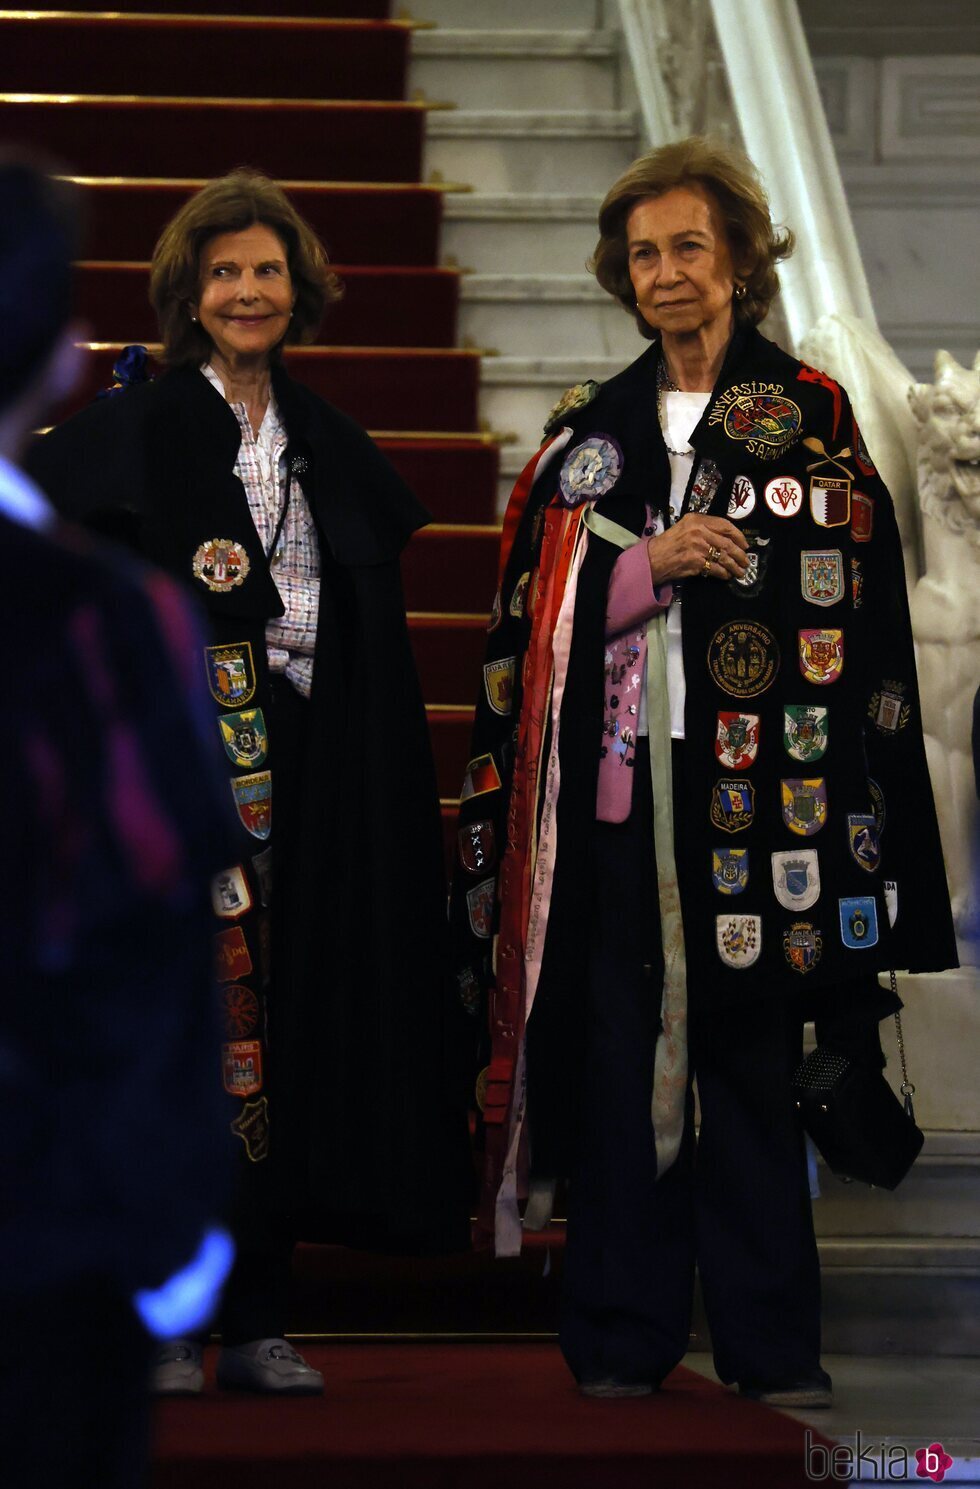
[[456, 1416]]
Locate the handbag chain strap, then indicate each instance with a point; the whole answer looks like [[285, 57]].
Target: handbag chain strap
[[908, 1090]]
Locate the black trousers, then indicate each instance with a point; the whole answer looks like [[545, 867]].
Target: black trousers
[[735, 1204]]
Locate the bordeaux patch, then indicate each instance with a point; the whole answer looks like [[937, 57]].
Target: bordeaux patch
[[743, 658], [221, 564], [253, 802], [240, 1008], [737, 740], [519, 597], [750, 583], [252, 1126], [830, 500], [804, 804], [822, 575], [802, 945], [742, 500], [498, 680], [479, 906], [730, 869], [759, 416], [477, 847], [821, 656], [859, 922], [231, 673], [590, 470], [796, 878], [805, 731], [862, 517], [241, 1067], [863, 841], [231, 955], [888, 710], [244, 736], [481, 776], [739, 939], [230, 894], [733, 805], [784, 496]]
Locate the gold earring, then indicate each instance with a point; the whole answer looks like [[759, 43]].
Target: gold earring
[[740, 292]]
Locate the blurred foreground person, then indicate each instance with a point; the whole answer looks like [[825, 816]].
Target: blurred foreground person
[[111, 1157]]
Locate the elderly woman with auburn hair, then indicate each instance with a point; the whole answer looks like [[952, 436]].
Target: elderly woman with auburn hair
[[698, 806], [287, 522]]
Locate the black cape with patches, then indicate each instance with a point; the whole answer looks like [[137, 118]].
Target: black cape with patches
[[368, 1140]]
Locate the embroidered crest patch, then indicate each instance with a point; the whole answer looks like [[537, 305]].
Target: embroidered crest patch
[[498, 679], [573, 398], [477, 847], [230, 896], [784, 496], [231, 673], [240, 1008], [244, 736], [758, 416], [859, 922], [479, 906], [519, 597], [805, 731], [737, 739], [862, 517], [888, 710], [733, 805], [802, 945], [822, 575], [742, 500], [857, 583], [821, 656], [804, 805], [481, 776], [590, 470], [862, 839], [253, 801], [241, 1067], [739, 939], [252, 1126], [830, 500], [231, 955], [743, 658], [220, 563], [730, 869], [750, 583], [796, 878]]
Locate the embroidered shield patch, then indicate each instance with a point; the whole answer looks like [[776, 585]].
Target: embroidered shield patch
[[891, 900], [230, 895], [862, 517], [802, 945], [231, 955], [888, 710], [862, 839], [822, 575], [240, 1008], [244, 736], [221, 564], [821, 656], [804, 805], [796, 878], [479, 906], [590, 470], [830, 500], [241, 1067], [498, 679], [859, 922], [252, 1126], [743, 658], [749, 584], [518, 598], [481, 776], [784, 496], [737, 739], [231, 673], [739, 939], [805, 731], [253, 801], [742, 499], [477, 847], [730, 869], [732, 805]]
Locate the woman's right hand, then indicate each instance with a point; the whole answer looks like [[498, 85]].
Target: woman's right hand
[[711, 547]]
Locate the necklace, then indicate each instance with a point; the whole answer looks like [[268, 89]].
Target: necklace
[[666, 384]]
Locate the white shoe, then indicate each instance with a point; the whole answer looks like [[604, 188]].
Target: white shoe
[[178, 1369], [267, 1365]]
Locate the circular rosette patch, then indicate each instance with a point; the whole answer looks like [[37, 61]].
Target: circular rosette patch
[[590, 470]]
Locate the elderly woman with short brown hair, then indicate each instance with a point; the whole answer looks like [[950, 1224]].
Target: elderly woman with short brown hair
[[697, 811], [287, 522]]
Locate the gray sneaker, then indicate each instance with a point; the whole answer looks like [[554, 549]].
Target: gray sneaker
[[267, 1365], [178, 1369]]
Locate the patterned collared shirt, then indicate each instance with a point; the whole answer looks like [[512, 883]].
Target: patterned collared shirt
[[261, 467]]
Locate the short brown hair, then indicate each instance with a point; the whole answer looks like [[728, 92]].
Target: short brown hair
[[229, 205], [733, 182]]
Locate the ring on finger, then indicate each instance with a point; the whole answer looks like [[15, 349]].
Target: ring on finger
[[714, 554], [706, 567]]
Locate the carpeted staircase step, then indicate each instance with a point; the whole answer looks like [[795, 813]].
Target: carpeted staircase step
[[452, 567], [381, 306], [449, 729], [113, 53], [389, 388], [358, 223], [455, 479], [151, 136], [449, 651]]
